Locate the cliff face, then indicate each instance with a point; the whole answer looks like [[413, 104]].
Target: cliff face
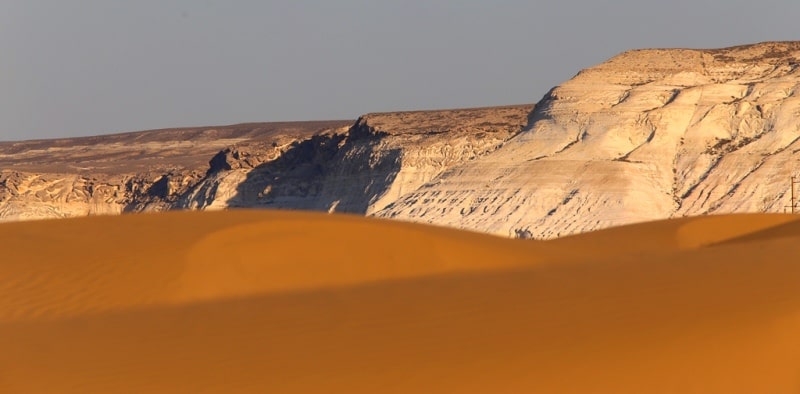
[[650, 134], [381, 157]]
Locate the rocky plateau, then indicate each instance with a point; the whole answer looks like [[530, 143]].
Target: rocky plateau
[[649, 134], [335, 166]]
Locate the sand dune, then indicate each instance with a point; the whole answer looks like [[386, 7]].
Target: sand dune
[[244, 301]]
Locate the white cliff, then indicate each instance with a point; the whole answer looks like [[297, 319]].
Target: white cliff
[[650, 134]]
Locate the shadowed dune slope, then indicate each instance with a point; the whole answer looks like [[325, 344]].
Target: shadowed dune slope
[[258, 301]]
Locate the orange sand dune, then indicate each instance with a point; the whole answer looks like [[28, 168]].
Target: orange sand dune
[[245, 301]]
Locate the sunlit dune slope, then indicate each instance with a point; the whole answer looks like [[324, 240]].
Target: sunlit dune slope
[[75, 266], [244, 301]]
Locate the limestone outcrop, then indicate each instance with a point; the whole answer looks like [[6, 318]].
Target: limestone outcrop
[[650, 134]]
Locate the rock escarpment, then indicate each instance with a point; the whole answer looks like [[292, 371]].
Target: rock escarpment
[[650, 134], [130, 172], [381, 157], [330, 166]]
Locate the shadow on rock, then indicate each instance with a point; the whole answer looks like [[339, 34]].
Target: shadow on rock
[[334, 172]]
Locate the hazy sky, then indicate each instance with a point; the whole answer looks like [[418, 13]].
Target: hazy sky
[[83, 67]]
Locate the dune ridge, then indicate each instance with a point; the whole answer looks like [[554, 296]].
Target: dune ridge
[[254, 301]]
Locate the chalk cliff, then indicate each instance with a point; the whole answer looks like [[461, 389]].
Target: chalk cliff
[[649, 134]]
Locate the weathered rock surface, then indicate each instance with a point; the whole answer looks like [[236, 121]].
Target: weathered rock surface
[[381, 157], [330, 166], [130, 172], [650, 134]]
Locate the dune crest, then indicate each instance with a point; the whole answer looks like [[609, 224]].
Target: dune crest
[[254, 301]]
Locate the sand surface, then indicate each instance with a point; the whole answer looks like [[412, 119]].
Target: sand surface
[[244, 301]]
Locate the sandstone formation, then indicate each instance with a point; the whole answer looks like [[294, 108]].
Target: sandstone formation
[[650, 134]]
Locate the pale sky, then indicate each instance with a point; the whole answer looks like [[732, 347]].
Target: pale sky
[[87, 67]]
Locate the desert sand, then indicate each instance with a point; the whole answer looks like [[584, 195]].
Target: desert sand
[[291, 302]]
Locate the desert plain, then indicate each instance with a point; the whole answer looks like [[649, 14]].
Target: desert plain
[[296, 302]]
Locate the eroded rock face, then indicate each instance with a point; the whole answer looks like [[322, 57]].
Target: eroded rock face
[[130, 172], [650, 134], [329, 166], [362, 170]]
